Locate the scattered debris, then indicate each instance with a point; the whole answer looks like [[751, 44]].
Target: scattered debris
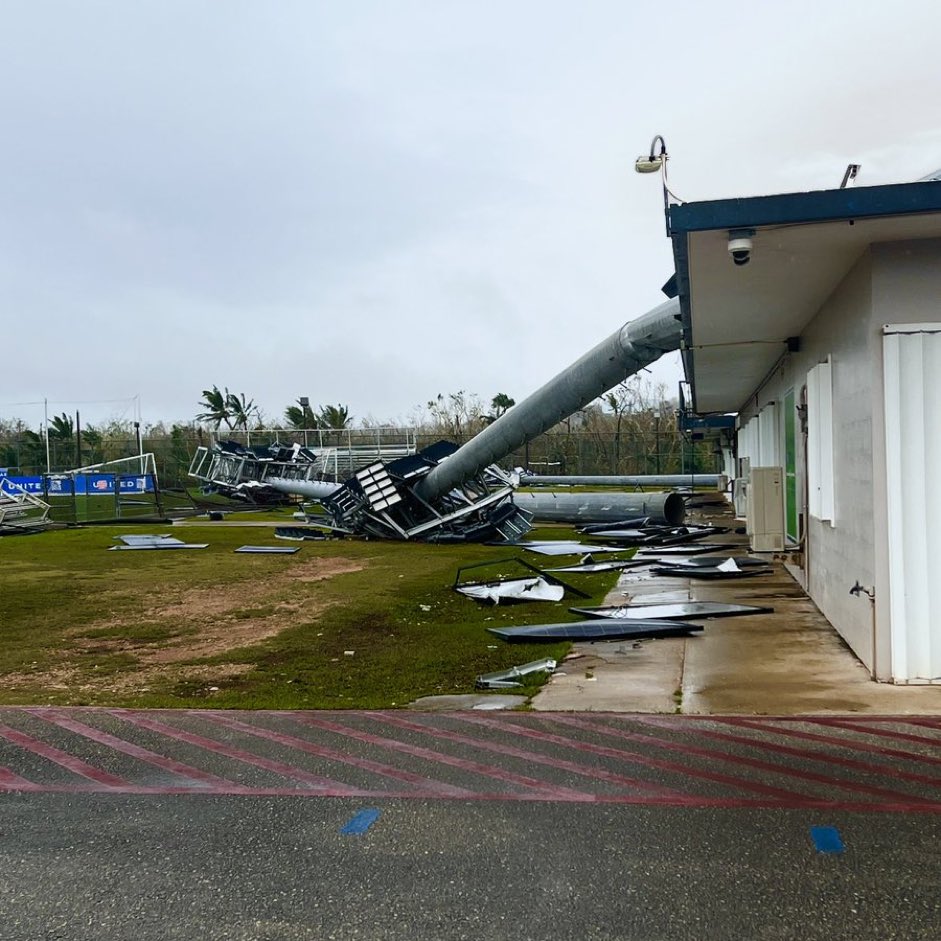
[[679, 610], [698, 548], [715, 561], [21, 511], [596, 629], [592, 566], [564, 547], [710, 571], [652, 535], [250, 473], [505, 679], [492, 589], [517, 589], [269, 550], [157, 542], [298, 533]]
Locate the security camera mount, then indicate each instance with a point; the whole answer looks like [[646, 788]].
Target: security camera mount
[[740, 245]]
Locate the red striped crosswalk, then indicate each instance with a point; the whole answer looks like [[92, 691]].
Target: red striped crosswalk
[[867, 763]]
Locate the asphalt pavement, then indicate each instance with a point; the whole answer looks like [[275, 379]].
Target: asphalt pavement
[[89, 868], [118, 824]]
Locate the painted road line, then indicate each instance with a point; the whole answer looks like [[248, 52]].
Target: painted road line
[[195, 776], [322, 751], [827, 839], [101, 779], [439, 757], [13, 782], [633, 757], [655, 790], [853, 725], [804, 754], [324, 785], [849, 744], [360, 822], [806, 775]]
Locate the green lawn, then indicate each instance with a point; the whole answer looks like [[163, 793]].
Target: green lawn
[[340, 624]]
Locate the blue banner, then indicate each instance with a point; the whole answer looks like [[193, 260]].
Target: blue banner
[[81, 484]]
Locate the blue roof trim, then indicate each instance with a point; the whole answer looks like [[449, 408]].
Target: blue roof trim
[[898, 199]]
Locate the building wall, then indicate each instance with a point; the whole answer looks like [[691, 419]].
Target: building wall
[[891, 283], [842, 550], [836, 555]]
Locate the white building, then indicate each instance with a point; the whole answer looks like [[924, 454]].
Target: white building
[[827, 345]]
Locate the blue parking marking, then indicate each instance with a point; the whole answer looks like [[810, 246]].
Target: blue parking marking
[[827, 839], [360, 822]]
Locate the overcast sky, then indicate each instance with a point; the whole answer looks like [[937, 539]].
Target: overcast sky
[[371, 203]]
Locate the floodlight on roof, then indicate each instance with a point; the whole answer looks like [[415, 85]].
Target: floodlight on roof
[[651, 163], [654, 161]]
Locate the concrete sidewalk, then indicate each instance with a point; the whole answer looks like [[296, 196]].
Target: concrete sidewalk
[[791, 662]]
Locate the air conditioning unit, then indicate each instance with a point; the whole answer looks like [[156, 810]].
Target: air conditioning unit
[[765, 517]]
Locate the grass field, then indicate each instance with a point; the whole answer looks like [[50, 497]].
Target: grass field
[[340, 624]]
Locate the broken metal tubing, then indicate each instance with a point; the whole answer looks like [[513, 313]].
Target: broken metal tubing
[[628, 350], [609, 507], [313, 489]]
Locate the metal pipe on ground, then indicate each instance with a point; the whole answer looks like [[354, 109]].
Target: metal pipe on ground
[[312, 489], [609, 480], [628, 350], [554, 507]]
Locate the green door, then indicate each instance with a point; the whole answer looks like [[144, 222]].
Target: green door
[[790, 466]]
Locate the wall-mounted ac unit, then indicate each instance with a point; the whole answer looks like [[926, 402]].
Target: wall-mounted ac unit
[[765, 522]]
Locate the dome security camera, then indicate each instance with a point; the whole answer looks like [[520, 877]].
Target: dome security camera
[[740, 245]]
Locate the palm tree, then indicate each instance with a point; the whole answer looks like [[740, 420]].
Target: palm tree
[[499, 404], [239, 408], [301, 416], [216, 404], [61, 427], [336, 417]]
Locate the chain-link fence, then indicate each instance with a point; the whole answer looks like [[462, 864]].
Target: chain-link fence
[[655, 450]]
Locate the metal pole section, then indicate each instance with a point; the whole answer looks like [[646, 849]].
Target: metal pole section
[[552, 506], [620, 480], [45, 419], [625, 352], [313, 489]]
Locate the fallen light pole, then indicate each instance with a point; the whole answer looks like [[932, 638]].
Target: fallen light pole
[[445, 493]]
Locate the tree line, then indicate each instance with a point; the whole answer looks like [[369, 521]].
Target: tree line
[[630, 430]]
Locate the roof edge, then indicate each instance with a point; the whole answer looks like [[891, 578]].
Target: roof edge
[[861, 202]]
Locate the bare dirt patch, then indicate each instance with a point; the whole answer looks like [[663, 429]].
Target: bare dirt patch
[[217, 620]]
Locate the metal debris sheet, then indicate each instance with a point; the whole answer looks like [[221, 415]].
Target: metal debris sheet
[[297, 533], [517, 589], [698, 548], [707, 572], [714, 561], [157, 542], [596, 629], [565, 548], [679, 610], [506, 679], [269, 550], [612, 566]]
